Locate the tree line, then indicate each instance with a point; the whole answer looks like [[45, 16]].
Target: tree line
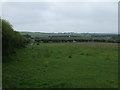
[[11, 40], [48, 40], [53, 37]]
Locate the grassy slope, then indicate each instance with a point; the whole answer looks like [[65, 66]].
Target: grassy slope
[[66, 65]]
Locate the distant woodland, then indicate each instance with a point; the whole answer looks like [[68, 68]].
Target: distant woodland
[[72, 37]]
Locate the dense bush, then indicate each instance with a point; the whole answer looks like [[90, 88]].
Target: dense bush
[[11, 40]]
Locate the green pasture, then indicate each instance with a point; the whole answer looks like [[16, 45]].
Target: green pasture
[[63, 65]]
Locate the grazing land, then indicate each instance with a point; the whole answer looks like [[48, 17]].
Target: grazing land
[[63, 65]]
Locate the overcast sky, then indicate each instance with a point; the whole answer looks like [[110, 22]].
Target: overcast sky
[[94, 17]]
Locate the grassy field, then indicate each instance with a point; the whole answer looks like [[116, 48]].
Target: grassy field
[[63, 65]]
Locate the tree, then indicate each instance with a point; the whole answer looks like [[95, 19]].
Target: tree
[[11, 40]]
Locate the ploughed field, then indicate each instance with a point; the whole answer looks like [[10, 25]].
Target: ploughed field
[[63, 65]]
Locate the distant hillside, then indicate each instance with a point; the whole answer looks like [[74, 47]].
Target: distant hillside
[[40, 34], [77, 35]]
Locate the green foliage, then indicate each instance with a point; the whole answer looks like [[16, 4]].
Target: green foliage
[[11, 40]]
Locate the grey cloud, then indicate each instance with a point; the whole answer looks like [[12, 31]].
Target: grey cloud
[[61, 17]]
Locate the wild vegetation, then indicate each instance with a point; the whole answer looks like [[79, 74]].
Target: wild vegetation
[[39, 60], [11, 40]]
